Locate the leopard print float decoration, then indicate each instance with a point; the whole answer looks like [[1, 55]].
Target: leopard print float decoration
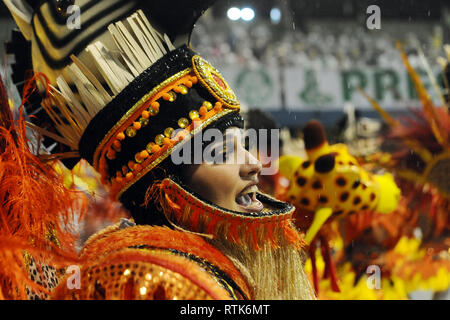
[[331, 182]]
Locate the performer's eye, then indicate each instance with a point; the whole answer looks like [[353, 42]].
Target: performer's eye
[[246, 143], [227, 152], [220, 153]]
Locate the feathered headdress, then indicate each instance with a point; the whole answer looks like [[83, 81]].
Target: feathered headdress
[[125, 92], [118, 88]]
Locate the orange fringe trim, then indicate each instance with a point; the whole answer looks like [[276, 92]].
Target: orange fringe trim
[[189, 212]]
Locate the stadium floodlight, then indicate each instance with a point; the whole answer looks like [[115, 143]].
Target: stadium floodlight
[[247, 14], [275, 15], [234, 13]]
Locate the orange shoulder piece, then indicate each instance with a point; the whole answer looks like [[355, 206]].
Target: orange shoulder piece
[[186, 261], [135, 274]]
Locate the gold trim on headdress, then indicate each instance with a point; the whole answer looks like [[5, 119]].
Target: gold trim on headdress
[[119, 186], [147, 104], [212, 80], [134, 47], [162, 145]]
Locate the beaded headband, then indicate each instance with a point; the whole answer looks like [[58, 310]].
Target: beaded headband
[[125, 144]]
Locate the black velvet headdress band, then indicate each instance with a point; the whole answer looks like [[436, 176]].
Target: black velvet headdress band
[[172, 63]]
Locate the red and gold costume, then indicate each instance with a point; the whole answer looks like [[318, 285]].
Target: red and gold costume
[[145, 262], [126, 94]]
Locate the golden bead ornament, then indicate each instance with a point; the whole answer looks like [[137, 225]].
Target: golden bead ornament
[[117, 146], [111, 155], [218, 107], [183, 123], [173, 96], [144, 121], [153, 111], [155, 105], [169, 132], [194, 115], [182, 89], [137, 167], [170, 96], [156, 148], [130, 132], [137, 126], [203, 111], [138, 158], [208, 105], [149, 147], [63, 5], [194, 80], [120, 136], [129, 176], [145, 114], [159, 139]]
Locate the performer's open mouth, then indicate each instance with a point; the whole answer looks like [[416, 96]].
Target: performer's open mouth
[[247, 200]]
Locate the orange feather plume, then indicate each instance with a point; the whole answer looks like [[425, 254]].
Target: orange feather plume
[[37, 213]]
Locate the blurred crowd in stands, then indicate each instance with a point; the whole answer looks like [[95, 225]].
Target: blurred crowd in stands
[[316, 44]]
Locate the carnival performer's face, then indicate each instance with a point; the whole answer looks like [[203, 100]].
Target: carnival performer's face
[[231, 183]]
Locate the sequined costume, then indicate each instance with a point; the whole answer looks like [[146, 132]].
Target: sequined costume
[[144, 262], [127, 94]]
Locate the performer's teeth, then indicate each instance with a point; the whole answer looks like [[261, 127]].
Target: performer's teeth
[[250, 202], [244, 200]]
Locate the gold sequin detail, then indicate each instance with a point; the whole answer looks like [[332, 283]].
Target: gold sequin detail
[[138, 281], [173, 96], [138, 158], [212, 80]]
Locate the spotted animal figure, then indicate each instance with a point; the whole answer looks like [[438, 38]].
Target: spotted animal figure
[[332, 183]]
